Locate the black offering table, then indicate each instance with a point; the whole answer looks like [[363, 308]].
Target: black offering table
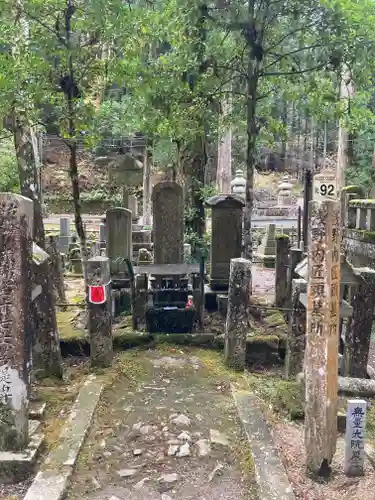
[[169, 310]]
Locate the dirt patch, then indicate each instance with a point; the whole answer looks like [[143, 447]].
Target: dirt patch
[[289, 439], [166, 429]]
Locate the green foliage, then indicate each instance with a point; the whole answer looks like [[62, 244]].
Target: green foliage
[[9, 180]]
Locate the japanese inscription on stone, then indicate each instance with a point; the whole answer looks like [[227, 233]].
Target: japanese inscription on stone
[[354, 437], [322, 334]]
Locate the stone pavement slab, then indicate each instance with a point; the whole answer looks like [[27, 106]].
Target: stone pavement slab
[[272, 480], [166, 430], [51, 482]]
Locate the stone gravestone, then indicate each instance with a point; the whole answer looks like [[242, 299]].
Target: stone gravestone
[[266, 252], [64, 239], [322, 335], [46, 342], [168, 228], [355, 437], [56, 268], [119, 238], [226, 241], [16, 225]]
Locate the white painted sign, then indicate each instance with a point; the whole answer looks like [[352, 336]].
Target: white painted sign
[[325, 186], [355, 437]]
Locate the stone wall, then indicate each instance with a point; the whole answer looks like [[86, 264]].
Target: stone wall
[[359, 231]]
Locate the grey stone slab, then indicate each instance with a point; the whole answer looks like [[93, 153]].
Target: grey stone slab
[[37, 410], [273, 483], [51, 482], [17, 465], [49, 485]]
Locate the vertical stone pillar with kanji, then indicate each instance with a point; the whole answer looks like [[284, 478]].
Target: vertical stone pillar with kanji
[[16, 225], [322, 335]]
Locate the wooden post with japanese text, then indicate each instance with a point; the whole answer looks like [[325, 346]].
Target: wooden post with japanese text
[[322, 335]]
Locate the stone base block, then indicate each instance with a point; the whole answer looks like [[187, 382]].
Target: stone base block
[[219, 285], [222, 304], [19, 465], [267, 260], [37, 410], [210, 299]]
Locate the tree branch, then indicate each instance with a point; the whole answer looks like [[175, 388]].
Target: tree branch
[[288, 54], [291, 33], [289, 73]]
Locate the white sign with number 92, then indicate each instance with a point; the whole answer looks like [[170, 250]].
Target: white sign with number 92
[[325, 186]]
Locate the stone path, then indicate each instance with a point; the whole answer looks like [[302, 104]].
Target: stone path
[[166, 430]]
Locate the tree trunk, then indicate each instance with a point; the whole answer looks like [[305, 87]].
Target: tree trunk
[[250, 159], [147, 189], [224, 156], [198, 221]]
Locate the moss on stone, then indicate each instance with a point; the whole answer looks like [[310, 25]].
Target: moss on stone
[[284, 396], [354, 189], [66, 329], [272, 340]]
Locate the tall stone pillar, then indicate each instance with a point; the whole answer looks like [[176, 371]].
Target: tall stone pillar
[[237, 326], [16, 226]]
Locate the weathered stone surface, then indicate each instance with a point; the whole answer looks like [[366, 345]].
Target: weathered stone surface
[[272, 481], [51, 482], [47, 360], [16, 466], [119, 238], [321, 356], [237, 315], [56, 268], [295, 348], [168, 223], [226, 240], [217, 437], [359, 334], [100, 315], [16, 225], [281, 274]]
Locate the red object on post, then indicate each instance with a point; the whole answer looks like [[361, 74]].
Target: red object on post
[[97, 294]]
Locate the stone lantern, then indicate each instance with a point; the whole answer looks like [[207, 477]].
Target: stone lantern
[[284, 197], [238, 184]]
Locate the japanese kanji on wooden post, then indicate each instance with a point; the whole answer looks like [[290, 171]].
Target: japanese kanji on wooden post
[[322, 336]]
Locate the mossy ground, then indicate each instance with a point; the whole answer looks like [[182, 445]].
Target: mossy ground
[[148, 386]]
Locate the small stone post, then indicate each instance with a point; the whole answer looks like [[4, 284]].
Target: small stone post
[[100, 315], [281, 275], [322, 336], [102, 235], [16, 226], [64, 238], [125, 197], [359, 335], [355, 437], [237, 314], [56, 268], [295, 348]]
